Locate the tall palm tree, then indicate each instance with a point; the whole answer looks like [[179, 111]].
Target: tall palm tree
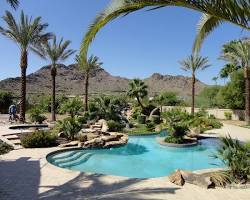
[[194, 63], [28, 34], [237, 53], [215, 12], [55, 52], [14, 3], [92, 63], [138, 90]]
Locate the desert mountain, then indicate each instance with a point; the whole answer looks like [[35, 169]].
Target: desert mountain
[[70, 81]]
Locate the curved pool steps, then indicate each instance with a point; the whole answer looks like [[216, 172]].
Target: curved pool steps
[[65, 156], [84, 158], [70, 158]]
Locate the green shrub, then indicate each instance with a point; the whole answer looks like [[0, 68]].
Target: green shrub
[[70, 127], [5, 148], [141, 119], [150, 126], [173, 139], [236, 156], [35, 115], [156, 119], [115, 126], [228, 115], [136, 111], [39, 139], [73, 107], [6, 99]]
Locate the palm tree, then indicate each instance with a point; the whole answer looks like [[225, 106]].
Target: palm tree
[[28, 35], [194, 63], [237, 53], [55, 52], [138, 90], [92, 63], [14, 3], [216, 12]]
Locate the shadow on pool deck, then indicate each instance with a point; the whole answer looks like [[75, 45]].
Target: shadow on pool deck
[[19, 179], [95, 188]]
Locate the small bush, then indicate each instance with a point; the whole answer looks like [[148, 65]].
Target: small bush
[[156, 119], [39, 139], [173, 139], [70, 127], [35, 115], [141, 119], [115, 126], [150, 126], [5, 148], [228, 115]]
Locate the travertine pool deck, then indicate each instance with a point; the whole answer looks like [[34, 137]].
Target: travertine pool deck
[[26, 175]]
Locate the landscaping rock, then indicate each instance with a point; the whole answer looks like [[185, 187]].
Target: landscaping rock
[[104, 125], [70, 144], [194, 132], [177, 178], [202, 180], [94, 143]]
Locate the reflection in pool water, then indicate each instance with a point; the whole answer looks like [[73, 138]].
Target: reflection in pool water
[[142, 157]]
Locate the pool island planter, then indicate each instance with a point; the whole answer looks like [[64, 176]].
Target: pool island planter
[[161, 141]]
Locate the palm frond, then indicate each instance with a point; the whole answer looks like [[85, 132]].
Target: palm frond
[[14, 3]]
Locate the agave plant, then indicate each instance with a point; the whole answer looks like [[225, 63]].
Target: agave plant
[[215, 12]]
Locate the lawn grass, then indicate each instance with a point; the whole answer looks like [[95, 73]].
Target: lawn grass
[[139, 129]]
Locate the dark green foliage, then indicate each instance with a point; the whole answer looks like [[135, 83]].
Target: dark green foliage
[[207, 98], [107, 107], [228, 115], [156, 119], [39, 139], [150, 126], [232, 95], [174, 140], [36, 115], [168, 99], [236, 157], [115, 126], [136, 111], [73, 107], [141, 119], [70, 127], [6, 99], [5, 148]]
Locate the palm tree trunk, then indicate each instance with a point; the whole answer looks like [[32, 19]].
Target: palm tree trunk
[[140, 103], [53, 103], [86, 90], [247, 94], [193, 93], [23, 65]]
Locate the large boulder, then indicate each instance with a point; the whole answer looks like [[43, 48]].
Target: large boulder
[[194, 132], [70, 144], [104, 124], [177, 178], [94, 143]]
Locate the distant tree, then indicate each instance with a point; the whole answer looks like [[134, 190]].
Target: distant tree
[[55, 52], [232, 94], [93, 63], [138, 90], [207, 97], [28, 34], [194, 63], [6, 99], [237, 53], [215, 79]]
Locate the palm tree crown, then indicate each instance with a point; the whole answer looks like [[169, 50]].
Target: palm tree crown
[[194, 63], [14, 3], [56, 51], [216, 12], [28, 34]]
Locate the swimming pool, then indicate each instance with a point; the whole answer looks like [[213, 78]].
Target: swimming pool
[[142, 157]]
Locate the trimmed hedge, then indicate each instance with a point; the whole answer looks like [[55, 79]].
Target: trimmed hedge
[[39, 139]]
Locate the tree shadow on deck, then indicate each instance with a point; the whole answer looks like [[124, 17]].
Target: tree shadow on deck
[[93, 186], [19, 179]]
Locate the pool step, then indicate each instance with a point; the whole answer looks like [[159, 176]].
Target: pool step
[[65, 156], [85, 157], [70, 158]]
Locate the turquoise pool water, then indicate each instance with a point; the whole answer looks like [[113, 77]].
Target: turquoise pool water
[[142, 157]]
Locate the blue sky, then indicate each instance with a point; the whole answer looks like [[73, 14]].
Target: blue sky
[[137, 45]]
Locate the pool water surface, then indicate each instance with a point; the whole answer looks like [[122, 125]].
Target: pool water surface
[[142, 157]]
